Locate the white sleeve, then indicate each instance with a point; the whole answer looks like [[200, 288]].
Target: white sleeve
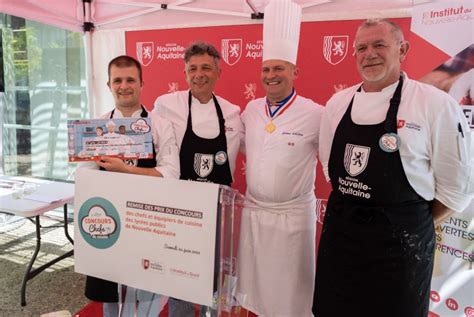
[[242, 135], [319, 114], [158, 108], [326, 136], [167, 154], [452, 156]]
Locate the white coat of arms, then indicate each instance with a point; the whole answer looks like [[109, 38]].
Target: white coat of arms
[[145, 52], [335, 48], [356, 158], [203, 164], [231, 50]]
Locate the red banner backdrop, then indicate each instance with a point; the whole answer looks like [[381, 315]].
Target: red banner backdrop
[[325, 60]]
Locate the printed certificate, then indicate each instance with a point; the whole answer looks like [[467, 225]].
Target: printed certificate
[[127, 138]]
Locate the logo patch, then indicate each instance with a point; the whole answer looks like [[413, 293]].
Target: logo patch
[[153, 266], [356, 158], [220, 158], [335, 48], [413, 126], [203, 164], [231, 50], [145, 51], [400, 123], [99, 223]]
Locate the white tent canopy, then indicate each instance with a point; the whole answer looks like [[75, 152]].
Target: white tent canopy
[[146, 14], [107, 21]]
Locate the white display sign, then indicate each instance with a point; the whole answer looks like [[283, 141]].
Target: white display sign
[[147, 232]]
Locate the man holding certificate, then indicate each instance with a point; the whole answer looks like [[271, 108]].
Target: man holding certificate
[[125, 83]]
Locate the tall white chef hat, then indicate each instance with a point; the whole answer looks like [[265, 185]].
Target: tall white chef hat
[[281, 30]]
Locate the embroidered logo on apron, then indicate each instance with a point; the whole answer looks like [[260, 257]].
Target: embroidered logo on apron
[[203, 164], [356, 158]]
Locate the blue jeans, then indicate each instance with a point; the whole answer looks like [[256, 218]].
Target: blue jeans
[[110, 309], [181, 308], [142, 303]]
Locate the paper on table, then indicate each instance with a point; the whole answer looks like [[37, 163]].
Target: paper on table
[[42, 198]]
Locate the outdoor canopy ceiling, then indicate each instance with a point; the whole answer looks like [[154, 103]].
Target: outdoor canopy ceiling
[[148, 14]]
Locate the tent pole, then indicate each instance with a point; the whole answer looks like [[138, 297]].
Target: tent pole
[[88, 28], [89, 73]]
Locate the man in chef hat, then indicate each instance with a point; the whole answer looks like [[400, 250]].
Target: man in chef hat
[[277, 248]]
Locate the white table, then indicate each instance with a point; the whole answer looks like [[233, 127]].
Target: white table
[[47, 195]]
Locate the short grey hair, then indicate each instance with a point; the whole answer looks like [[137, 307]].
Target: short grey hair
[[395, 28]]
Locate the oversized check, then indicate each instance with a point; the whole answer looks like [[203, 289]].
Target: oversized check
[[127, 138], [147, 232]]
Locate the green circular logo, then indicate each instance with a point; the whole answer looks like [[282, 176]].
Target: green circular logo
[[99, 222]]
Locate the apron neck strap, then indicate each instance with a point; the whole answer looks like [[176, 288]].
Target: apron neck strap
[[143, 114], [391, 119]]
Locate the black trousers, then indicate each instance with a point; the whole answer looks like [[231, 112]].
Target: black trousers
[[100, 290]]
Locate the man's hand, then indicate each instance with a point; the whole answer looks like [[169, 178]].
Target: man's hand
[[113, 164], [440, 212]]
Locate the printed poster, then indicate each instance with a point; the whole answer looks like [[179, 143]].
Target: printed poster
[[449, 66], [139, 231]]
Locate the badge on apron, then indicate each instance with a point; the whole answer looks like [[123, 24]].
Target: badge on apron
[[270, 127], [389, 142], [220, 157]]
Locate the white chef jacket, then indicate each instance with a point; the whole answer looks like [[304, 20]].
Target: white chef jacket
[[437, 157], [281, 166], [276, 258], [167, 155], [174, 107]]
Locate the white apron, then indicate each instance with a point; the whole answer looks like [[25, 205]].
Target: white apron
[[276, 259]]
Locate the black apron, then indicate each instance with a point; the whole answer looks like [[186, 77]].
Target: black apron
[[376, 251], [206, 160], [97, 289]]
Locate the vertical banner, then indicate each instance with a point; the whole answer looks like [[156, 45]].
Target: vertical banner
[[443, 34]]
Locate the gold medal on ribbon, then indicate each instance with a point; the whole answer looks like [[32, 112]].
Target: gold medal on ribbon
[[270, 127]]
